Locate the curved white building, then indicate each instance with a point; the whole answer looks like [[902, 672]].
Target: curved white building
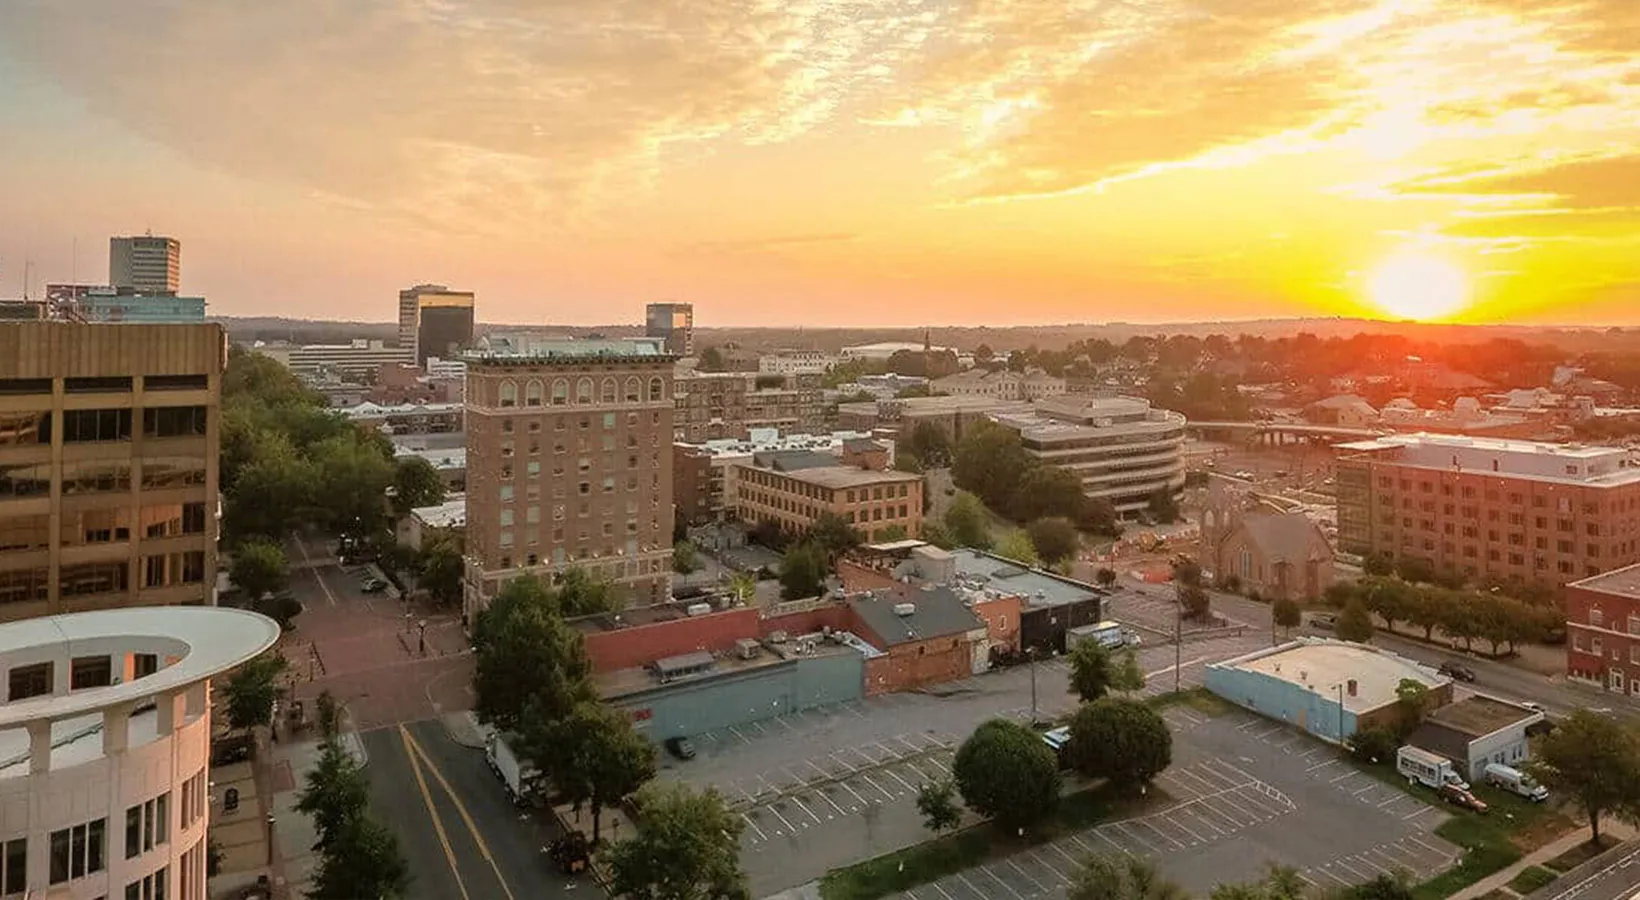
[[1123, 449], [105, 733]]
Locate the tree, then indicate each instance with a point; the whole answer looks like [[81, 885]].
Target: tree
[[415, 484], [803, 572], [930, 444], [271, 495], [251, 691], [744, 586], [579, 593], [1126, 674], [329, 714], [440, 570], [363, 862], [352, 480], [1390, 599], [934, 532], [832, 535], [525, 656], [1415, 569], [1413, 698], [711, 360], [1106, 576], [684, 559], [1593, 761], [1163, 506], [1122, 878], [937, 801], [1016, 545], [1286, 614], [259, 568], [600, 757], [1098, 516], [968, 522], [1278, 883], [1004, 771], [1054, 539], [1374, 745], [1095, 671], [990, 461], [1355, 623], [890, 533], [1048, 491], [1378, 565], [336, 795], [1381, 887], [686, 846], [1195, 603], [1122, 740]]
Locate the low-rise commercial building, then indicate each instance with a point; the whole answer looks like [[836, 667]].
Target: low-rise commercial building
[[1123, 449], [795, 362], [871, 501], [1003, 384], [408, 418], [1477, 731], [954, 415], [1331, 689], [358, 360], [1603, 630], [449, 462], [703, 475], [151, 309], [427, 524], [730, 405], [928, 636]]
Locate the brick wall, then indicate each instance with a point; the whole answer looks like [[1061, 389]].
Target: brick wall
[[640, 645], [913, 665], [835, 616]]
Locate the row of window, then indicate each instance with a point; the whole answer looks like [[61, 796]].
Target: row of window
[[1492, 515], [104, 384], [163, 570], [100, 476], [607, 421], [532, 536], [1594, 645], [1539, 563], [1515, 498], [39, 679], [101, 526], [609, 569], [82, 426], [607, 391]]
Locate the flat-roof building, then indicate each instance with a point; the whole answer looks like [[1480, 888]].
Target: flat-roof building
[[357, 360], [145, 264], [1123, 449], [1477, 731], [435, 321], [872, 501], [703, 474], [1603, 630]]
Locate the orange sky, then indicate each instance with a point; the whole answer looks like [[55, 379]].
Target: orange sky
[[837, 161]]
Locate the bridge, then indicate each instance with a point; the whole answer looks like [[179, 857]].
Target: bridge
[[1282, 432]]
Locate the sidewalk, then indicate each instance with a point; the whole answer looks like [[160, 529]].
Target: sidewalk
[[294, 834], [1541, 855]]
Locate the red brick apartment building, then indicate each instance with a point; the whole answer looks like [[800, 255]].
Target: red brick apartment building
[[1603, 630], [1491, 508]]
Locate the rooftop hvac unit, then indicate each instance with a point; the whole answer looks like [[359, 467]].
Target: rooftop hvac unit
[[697, 609], [777, 637], [904, 609]]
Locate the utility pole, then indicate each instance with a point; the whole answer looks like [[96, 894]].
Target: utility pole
[[1178, 644], [1031, 653]]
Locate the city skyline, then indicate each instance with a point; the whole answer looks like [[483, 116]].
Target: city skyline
[[881, 163]]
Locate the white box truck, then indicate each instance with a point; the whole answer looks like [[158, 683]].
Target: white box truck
[[1515, 782], [1428, 769], [518, 774], [1108, 634]]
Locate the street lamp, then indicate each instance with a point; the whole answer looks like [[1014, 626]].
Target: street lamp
[[421, 635]]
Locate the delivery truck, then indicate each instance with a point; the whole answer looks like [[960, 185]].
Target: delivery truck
[[1108, 634], [518, 774], [1515, 782]]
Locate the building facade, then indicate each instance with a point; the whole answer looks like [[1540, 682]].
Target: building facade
[[1277, 555], [1603, 630], [105, 734], [1002, 384], [358, 360], [108, 465], [871, 501], [150, 309], [729, 405], [435, 321], [795, 362], [1123, 449], [145, 264], [1490, 508], [675, 324], [569, 463]]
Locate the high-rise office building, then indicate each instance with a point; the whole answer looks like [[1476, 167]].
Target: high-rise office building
[[673, 323], [108, 465], [435, 320], [569, 464], [145, 264]]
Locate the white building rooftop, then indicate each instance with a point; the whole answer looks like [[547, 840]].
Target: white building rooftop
[[452, 513], [1536, 460], [1329, 667], [769, 440], [442, 458]]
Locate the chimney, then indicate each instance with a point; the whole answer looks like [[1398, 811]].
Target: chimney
[[1351, 687]]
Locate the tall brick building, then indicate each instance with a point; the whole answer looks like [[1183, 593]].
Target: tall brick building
[[1603, 630], [1490, 508], [569, 463]]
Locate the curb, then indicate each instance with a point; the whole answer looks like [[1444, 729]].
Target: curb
[[444, 722]]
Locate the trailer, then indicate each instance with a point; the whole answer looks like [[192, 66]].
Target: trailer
[[518, 774]]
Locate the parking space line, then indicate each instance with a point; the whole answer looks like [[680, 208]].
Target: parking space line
[[1199, 817], [1394, 863], [1329, 873], [1174, 821], [977, 892], [798, 801], [1068, 858], [1100, 833], [936, 886], [877, 786], [890, 773], [1350, 774], [752, 822], [1422, 808], [830, 802], [1023, 873], [845, 786], [1036, 856], [1414, 839], [737, 734], [1319, 766], [1236, 822], [1165, 836], [1367, 860], [1351, 869], [789, 826], [781, 720], [993, 877]]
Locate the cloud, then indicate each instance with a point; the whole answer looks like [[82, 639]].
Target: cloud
[[757, 245]]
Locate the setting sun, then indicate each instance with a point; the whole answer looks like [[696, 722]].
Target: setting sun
[[1414, 285]]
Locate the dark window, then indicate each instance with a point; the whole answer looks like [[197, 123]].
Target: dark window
[[97, 385], [25, 480], [133, 891], [96, 846], [144, 664], [91, 671], [15, 386], [193, 567], [96, 476], [193, 518], [162, 472], [159, 884], [15, 867], [20, 429], [76, 862], [59, 856], [29, 681], [162, 818], [173, 421], [133, 833], [148, 826], [25, 585], [175, 383], [88, 425], [93, 578]]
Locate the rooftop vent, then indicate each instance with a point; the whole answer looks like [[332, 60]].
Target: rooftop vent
[[905, 609]]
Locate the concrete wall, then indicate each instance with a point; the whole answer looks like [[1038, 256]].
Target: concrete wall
[[1507, 747], [1281, 700], [710, 704], [641, 645]]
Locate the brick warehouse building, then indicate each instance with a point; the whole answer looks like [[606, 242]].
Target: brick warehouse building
[[569, 463], [1603, 630], [1490, 508]]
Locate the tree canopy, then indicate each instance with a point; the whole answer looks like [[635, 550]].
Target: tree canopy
[[416, 484], [1119, 739], [526, 658], [599, 758], [252, 689], [1055, 538], [1593, 761], [1005, 772], [259, 568], [1122, 878], [1017, 546], [803, 572], [967, 522], [686, 846]]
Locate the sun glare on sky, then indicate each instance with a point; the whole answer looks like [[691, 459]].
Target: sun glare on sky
[[1417, 285]]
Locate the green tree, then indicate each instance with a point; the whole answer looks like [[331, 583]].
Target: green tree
[[711, 360], [1381, 887], [937, 801], [1413, 699], [1415, 569], [1006, 772], [1126, 674], [1163, 506], [686, 846], [1048, 492], [1378, 565], [329, 714], [1119, 739], [1594, 762], [934, 532], [931, 444], [990, 462], [832, 535], [271, 495], [803, 572], [599, 757], [1286, 615], [363, 861], [1016, 545], [353, 477], [579, 593], [525, 656], [1106, 576], [1278, 883], [416, 484], [336, 795], [1095, 671], [259, 568], [1055, 539], [684, 559], [440, 570], [1389, 599], [1355, 623], [744, 586], [890, 533], [1098, 515], [251, 690], [968, 522], [1373, 745], [1122, 878]]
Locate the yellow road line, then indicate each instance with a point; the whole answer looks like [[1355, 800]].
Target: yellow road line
[[438, 824], [461, 808]]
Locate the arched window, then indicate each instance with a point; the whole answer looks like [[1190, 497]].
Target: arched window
[[583, 391], [609, 391], [509, 393], [560, 392], [634, 390], [532, 393], [657, 389]]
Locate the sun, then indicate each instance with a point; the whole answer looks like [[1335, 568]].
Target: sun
[[1416, 285]]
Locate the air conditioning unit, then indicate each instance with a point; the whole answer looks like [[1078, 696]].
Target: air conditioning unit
[[697, 609], [905, 609]]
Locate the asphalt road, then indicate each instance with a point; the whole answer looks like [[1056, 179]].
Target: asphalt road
[[463, 837], [1618, 880]]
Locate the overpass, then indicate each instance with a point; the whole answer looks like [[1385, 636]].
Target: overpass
[[1285, 432]]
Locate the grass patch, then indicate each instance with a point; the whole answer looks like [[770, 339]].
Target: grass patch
[[902, 870], [1492, 841], [1531, 878], [1199, 699], [1581, 854]]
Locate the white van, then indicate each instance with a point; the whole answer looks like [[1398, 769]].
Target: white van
[[1515, 782], [1432, 770]]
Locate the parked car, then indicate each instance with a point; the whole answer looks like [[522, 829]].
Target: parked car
[[1456, 671], [1457, 796], [681, 747], [1326, 621], [372, 585]]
